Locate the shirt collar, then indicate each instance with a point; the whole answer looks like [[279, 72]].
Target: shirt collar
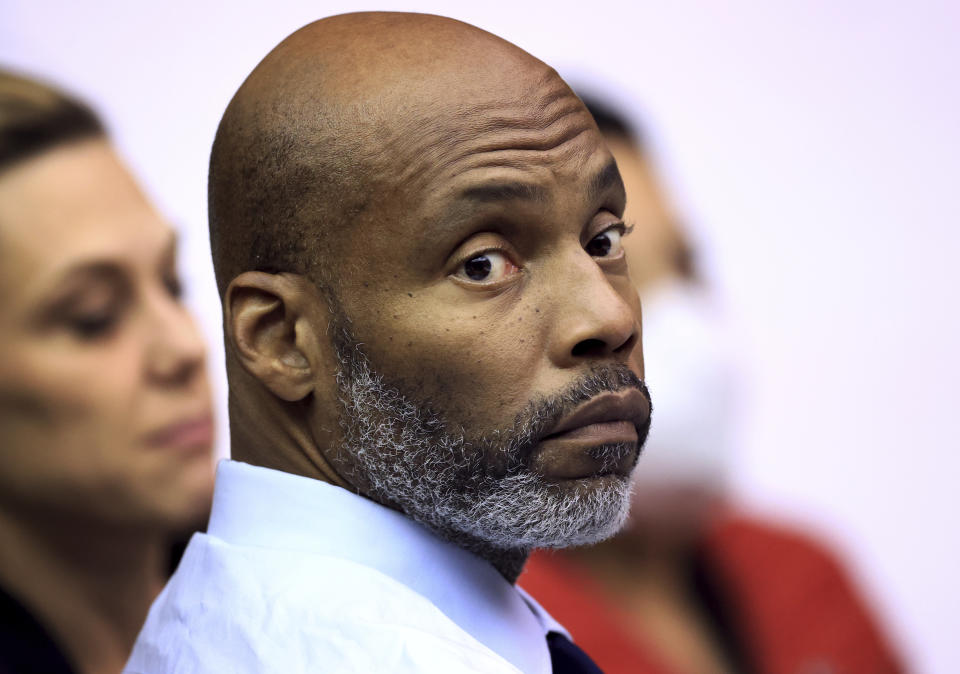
[[261, 507]]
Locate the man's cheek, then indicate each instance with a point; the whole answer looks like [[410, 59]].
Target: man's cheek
[[469, 387]]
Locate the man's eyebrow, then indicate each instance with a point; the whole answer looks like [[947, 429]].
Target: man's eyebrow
[[504, 191], [607, 178]]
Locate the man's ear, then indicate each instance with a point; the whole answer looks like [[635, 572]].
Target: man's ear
[[265, 323]]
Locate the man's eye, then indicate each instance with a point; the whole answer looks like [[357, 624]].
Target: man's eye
[[607, 243], [487, 267]]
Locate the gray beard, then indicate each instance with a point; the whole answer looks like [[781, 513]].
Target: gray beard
[[477, 493]]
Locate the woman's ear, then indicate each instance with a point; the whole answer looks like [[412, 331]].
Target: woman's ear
[[265, 326]]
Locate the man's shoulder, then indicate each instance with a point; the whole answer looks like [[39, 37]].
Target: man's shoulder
[[248, 609]]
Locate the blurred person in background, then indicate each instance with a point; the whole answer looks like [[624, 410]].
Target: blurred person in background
[[105, 407], [691, 585]]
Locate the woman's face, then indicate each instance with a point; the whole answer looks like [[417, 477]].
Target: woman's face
[[105, 410]]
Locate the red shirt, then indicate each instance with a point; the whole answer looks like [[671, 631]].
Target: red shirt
[[796, 610]]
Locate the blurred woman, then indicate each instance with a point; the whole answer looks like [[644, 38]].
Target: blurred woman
[[696, 584], [105, 409]]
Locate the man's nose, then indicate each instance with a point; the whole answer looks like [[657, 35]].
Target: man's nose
[[597, 317], [176, 351]]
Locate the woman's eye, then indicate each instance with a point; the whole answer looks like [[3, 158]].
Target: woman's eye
[[487, 267], [607, 243], [91, 326]]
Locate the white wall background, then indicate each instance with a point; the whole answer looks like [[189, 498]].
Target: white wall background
[[813, 146]]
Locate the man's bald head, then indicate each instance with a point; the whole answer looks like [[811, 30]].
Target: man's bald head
[[325, 124]]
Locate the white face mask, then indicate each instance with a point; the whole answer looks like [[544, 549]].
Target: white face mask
[[691, 373]]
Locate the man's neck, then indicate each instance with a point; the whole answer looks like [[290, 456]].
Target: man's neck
[[265, 433], [508, 562], [90, 587]]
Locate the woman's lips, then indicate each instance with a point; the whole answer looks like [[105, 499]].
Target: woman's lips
[[196, 433]]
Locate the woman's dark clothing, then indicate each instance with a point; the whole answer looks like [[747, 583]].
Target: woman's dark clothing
[[25, 646]]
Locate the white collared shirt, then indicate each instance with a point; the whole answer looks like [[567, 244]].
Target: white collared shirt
[[297, 575]]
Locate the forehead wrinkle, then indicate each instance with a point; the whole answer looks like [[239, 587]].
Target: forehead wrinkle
[[542, 116], [530, 111], [526, 127], [511, 147]]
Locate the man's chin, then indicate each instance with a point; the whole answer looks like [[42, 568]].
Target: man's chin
[[608, 512], [527, 512]]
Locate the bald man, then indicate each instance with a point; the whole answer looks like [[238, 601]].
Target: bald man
[[433, 349]]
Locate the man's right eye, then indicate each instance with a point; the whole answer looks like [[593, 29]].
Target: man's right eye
[[487, 267]]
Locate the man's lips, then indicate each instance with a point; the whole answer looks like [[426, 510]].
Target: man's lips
[[607, 410], [618, 418], [601, 432]]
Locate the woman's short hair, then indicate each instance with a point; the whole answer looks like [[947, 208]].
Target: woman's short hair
[[35, 117]]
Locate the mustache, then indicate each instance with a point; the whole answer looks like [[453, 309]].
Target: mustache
[[540, 416]]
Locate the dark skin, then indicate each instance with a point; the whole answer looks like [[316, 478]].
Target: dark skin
[[644, 569], [480, 276]]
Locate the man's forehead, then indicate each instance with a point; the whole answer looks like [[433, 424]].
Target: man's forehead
[[507, 144], [441, 140], [409, 108]]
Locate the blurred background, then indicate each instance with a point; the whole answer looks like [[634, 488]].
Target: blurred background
[[812, 150]]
